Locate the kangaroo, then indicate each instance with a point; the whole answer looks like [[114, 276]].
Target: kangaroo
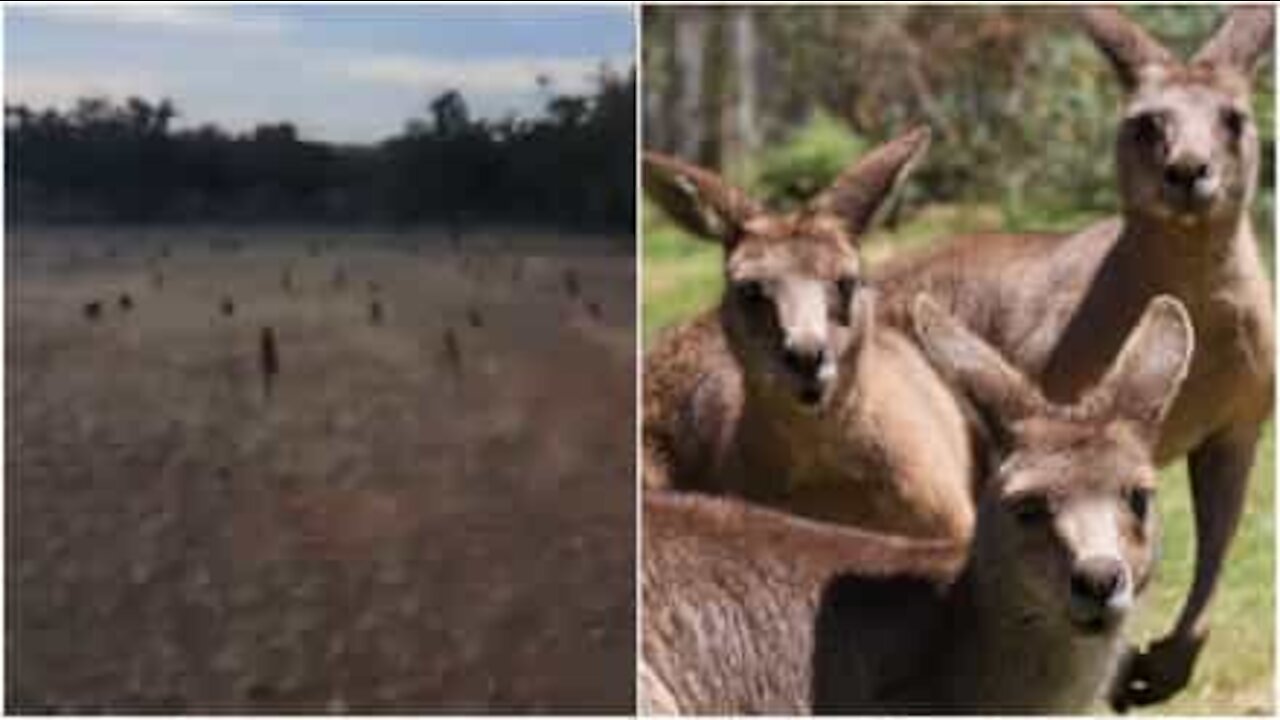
[[747, 609], [1058, 306], [787, 393]]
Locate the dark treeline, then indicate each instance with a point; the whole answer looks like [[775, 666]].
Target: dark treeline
[[103, 161]]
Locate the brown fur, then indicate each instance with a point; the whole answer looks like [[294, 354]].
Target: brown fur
[[746, 609], [880, 442], [1059, 307]]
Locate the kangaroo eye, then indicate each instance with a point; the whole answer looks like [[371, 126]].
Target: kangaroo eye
[[1234, 121], [1139, 502], [1148, 127], [847, 286], [1031, 510]]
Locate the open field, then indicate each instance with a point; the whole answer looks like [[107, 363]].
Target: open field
[[1236, 671], [430, 508]]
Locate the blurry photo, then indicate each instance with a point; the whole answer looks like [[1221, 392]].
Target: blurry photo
[[321, 359]]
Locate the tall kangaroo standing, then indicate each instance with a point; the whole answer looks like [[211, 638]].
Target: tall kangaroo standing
[[787, 392], [749, 610], [1058, 307]]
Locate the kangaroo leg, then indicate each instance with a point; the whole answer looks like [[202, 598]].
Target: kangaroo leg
[[1219, 470]]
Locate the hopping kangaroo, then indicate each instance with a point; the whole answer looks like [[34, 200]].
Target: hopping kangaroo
[[1057, 307], [787, 392], [747, 609]]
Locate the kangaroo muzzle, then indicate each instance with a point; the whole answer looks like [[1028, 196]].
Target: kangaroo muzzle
[[809, 363], [1101, 593], [1190, 185]]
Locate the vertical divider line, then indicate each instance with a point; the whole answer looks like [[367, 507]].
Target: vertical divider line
[[637, 53]]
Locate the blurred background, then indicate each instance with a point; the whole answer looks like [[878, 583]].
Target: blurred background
[[1023, 108], [390, 116]]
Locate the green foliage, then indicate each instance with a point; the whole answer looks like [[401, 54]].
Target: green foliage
[[1264, 213], [807, 161], [1022, 104], [571, 166], [1058, 149]]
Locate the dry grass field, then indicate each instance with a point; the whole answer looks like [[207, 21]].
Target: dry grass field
[[431, 507]]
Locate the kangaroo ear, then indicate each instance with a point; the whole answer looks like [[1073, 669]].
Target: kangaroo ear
[[698, 200], [1126, 44], [998, 389], [1145, 377], [1243, 38], [862, 189]]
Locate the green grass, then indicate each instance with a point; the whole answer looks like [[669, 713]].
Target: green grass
[[682, 274], [681, 277], [1235, 674]]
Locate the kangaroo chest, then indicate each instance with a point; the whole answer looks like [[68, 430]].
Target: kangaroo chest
[[774, 454], [1029, 679], [816, 467], [1231, 376], [1003, 662], [1230, 380]]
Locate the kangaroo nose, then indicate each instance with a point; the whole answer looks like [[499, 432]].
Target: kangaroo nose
[[804, 361], [1184, 175], [1097, 580]]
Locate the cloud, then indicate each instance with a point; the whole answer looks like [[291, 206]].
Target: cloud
[[488, 76], [336, 78], [208, 20]]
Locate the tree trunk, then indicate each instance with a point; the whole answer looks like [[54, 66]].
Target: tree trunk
[[690, 52], [658, 72], [744, 62]]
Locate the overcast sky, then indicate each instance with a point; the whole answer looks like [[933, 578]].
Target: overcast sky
[[342, 73]]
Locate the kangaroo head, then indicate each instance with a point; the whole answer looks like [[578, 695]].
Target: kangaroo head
[[794, 305], [1187, 148], [1066, 528]]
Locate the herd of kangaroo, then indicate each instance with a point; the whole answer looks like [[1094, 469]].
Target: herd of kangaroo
[[928, 486]]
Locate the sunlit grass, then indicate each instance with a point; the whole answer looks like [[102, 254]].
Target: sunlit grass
[[1235, 671]]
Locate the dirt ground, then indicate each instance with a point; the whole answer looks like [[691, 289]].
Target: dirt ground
[[431, 507]]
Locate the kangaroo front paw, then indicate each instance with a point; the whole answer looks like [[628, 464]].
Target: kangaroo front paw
[[1154, 674]]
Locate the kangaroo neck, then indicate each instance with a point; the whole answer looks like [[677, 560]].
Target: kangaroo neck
[[778, 439], [1185, 258], [1002, 655], [772, 414]]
